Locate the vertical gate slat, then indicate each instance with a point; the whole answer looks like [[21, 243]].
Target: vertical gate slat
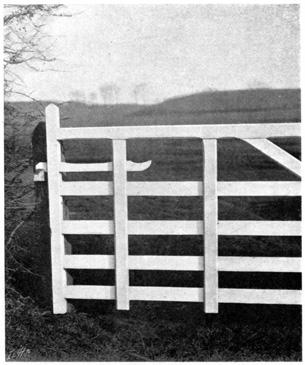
[[120, 224], [59, 275], [210, 220]]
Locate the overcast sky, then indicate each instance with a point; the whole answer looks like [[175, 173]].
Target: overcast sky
[[170, 49]]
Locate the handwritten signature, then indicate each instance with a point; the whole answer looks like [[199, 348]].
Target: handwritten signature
[[17, 354]]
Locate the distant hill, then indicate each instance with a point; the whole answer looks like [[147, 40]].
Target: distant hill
[[219, 107], [222, 107]]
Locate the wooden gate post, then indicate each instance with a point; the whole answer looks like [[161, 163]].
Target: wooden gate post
[[57, 211]]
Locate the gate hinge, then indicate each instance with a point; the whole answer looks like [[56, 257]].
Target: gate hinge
[[40, 169]]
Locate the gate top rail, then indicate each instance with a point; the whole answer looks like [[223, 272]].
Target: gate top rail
[[248, 131]]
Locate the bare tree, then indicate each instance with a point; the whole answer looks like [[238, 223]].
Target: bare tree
[[110, 93], [116, 93], [93, 97], [25, 42], [78, 95], [104, 94], [139, 92], [258, 84], [25, 46]]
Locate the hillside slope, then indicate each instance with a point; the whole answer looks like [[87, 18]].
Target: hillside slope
[[221, 107], [224, 107]]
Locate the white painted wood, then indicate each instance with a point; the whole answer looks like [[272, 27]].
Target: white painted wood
[[86, 188], [59, 275], [135, 227], [102, 167], [259, 188], [170, 263], [88, 227], [103, 262], [259, 264], [39, 176], [246, 296], [260, 296], [134, 188], [225, 263], [229, 228], [210, 219], [260, 228], [164, 188], [165, 227], [167, 294], [85, 167], [183, 188], [40, 170], [89, 292], [202, 131], [120, 224], [137, 166], [210, 227], [42, 166], [279, 155], [186, 263], [225, 295]]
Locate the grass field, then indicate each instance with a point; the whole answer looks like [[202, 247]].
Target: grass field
[[95, 331]]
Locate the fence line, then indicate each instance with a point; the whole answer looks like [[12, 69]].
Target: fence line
[[210, 227]]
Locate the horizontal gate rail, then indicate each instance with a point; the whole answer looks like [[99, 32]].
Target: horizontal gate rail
[[183, 188], [185, 263], [167, 227], [100, 167], [210, 264], [267, 130], [153, 293]]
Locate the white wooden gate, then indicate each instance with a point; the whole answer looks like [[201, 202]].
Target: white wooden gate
[[210, 227]]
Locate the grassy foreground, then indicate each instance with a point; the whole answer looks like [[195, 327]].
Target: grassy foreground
[[153, 332]]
